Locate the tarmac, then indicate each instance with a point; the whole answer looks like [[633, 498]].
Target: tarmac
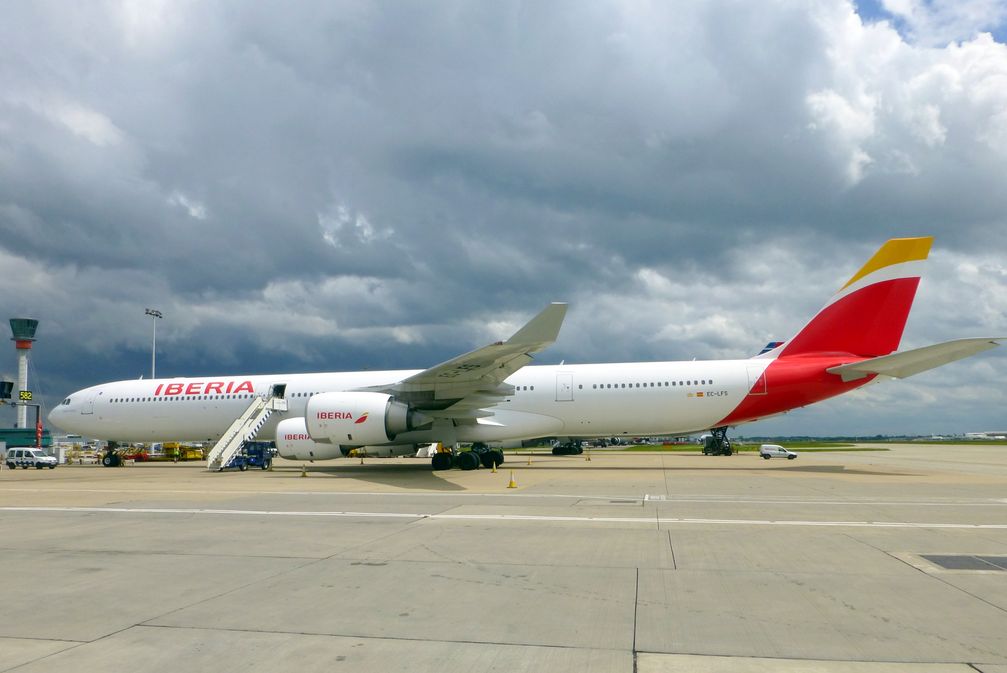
[[629, 562]]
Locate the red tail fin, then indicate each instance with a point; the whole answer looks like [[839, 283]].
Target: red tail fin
[[867, 316]]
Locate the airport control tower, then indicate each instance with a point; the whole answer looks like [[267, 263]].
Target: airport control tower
[[24, 335]]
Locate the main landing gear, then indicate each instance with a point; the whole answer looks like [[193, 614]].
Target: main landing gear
[[479, 455], [571, 448], [717, 444]]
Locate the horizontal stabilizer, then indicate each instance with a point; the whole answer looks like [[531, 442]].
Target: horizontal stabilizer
[[907, 363]]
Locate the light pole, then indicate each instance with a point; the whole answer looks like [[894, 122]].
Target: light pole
[[154, 315]]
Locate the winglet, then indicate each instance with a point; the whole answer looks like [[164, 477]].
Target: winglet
[[543, 329]]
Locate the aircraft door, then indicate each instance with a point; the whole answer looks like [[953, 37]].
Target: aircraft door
[[564, 387], [87, 409], [757, 380]]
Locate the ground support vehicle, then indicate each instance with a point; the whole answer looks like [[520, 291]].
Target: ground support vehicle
[[26, 458], [768, 451], [253, 454]]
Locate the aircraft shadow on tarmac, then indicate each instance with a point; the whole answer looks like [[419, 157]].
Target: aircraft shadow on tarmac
[[820, 469], [421, 476], [403, 476], [842, 469]]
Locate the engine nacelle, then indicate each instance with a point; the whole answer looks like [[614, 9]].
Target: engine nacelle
[[386, 451], [359, 419], [294, 443]]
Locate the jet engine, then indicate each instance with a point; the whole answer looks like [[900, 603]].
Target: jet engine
[[294, 443], [358, 419], [386, 451]]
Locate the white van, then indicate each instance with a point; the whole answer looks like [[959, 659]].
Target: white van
[[768, 451], [29, 458]]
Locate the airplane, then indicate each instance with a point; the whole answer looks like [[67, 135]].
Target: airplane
[[490, 397]]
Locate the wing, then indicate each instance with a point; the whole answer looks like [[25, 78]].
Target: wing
[[463, 387], [907, 363]]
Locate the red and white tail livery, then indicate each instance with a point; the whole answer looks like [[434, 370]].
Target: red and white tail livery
[[491, 397]]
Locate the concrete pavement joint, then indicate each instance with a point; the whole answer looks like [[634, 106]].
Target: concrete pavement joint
[[371, 637], [75, 644]]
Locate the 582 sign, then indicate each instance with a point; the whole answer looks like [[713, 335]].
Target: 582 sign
[[24, 395]]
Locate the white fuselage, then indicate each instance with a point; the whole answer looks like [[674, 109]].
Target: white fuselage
[[641, 398]]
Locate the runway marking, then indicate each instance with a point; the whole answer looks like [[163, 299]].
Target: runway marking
[[668, 499], [509, 517]]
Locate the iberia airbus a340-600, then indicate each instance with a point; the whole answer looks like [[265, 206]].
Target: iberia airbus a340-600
[[491, 398]]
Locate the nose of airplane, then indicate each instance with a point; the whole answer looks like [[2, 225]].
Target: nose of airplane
[[59, 415]]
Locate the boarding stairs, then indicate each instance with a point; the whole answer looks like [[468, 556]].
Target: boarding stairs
[[243, 429]]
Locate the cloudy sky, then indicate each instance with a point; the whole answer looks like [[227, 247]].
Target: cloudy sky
[[322, 186]]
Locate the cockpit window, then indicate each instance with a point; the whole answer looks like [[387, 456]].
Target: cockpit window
[[66, 401]]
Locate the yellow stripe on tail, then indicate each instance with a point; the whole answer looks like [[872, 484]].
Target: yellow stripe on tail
[[895, 251]]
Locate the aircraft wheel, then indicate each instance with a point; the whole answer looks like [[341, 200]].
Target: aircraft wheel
[[441, 461], [490, 458], [498, 456], [467, 461]]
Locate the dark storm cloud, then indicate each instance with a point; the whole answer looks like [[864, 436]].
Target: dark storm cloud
[[341, 185]]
